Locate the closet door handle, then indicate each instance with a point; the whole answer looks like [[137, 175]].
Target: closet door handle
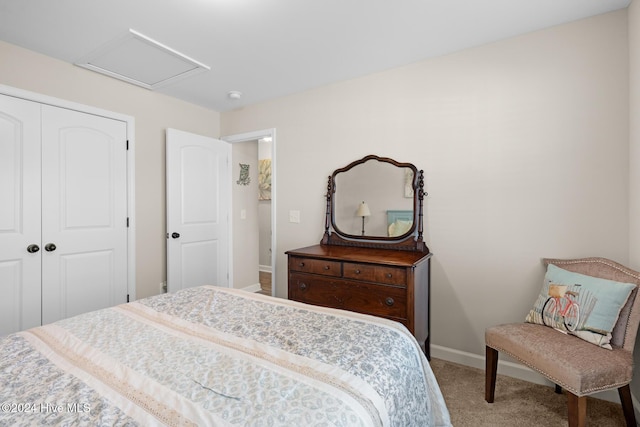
[[32, 249], [175, 235], [49, 247]]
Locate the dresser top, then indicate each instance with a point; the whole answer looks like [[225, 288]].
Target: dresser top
[[364, 255]]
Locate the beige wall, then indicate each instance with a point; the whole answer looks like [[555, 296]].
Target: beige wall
[[245, 230], [153, 113], [524, 143], [634, 133], [634, 158]]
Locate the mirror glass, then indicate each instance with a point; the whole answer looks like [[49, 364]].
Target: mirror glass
[[387, 191]]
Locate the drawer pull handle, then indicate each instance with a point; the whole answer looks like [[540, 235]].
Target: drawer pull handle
[[389, 275], [303, 286], [357, 271], [389, 301], [327, 267], [301, 264]]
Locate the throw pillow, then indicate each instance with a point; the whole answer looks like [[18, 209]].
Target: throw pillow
[[399, 227], [585, 306]]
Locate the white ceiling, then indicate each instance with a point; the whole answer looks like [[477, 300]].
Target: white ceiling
[[270, 48]]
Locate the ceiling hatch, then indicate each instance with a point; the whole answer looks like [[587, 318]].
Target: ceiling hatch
[[138, 59]]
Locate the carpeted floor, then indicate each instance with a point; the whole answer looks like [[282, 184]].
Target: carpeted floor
[[517, 403]]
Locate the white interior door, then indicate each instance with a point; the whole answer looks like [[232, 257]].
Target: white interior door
[[84, 213], [19, 214], [198, 193]]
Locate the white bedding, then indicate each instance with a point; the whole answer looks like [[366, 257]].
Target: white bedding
[[212, 356]]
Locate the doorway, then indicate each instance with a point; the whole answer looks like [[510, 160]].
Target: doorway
[[252, 241]]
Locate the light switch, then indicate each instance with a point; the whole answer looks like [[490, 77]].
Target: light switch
[[243, 214], [294, 216]]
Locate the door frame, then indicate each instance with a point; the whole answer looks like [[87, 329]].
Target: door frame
[[130, 121], [252, 136]]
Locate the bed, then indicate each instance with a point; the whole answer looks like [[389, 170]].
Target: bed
[[215, 356]]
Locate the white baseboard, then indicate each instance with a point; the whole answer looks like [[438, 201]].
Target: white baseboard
[[252, 288], [515, 370], [264, 268]]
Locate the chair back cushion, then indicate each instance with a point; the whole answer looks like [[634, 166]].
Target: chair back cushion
[[626, 327]]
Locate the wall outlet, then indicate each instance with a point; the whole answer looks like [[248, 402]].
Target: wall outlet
[[294, 216]]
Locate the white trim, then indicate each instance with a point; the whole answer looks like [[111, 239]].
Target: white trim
[[250, 136], [510, 369], [252, 288], [264, 268], [130, 122], [131, 207]]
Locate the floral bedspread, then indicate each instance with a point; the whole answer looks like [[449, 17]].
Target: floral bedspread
[[218, 357]]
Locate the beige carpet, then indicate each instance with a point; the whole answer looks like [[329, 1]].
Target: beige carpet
[[517, 403]]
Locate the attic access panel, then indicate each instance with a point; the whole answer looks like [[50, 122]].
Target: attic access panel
[[140, 60]]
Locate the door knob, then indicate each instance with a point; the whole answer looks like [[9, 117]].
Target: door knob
[[175, 235], [32, 249], [49, 247]]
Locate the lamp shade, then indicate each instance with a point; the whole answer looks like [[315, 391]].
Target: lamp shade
[[363, 210]]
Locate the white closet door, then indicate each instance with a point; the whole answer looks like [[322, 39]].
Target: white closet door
[[84, 211], [198, 194], [19, 214]]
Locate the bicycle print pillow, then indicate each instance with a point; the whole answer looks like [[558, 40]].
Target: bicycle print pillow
[[585, 306]]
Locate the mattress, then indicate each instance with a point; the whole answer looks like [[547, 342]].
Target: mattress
[[210, 356]]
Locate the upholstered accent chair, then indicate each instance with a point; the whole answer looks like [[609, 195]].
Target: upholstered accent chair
[[581, 368]]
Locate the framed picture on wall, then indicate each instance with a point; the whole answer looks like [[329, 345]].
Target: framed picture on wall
[[264, 179], [408, 183]]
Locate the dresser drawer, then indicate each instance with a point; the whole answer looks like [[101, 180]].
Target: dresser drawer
[[382, 282], [315, 266], [376, 273], [368, 298]]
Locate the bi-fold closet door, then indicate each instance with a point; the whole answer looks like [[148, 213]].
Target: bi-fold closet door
[[63, 213]]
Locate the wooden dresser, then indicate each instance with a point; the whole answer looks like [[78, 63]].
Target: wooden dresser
[[382, 282]]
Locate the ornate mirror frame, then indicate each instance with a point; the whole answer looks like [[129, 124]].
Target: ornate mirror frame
[[410, 241]]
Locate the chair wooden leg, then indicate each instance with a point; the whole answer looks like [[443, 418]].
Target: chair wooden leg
[[491, 369], [577, 410], [627, 405]]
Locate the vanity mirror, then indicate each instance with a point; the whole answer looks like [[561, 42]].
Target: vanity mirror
[[372, 258], [375, 202]]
